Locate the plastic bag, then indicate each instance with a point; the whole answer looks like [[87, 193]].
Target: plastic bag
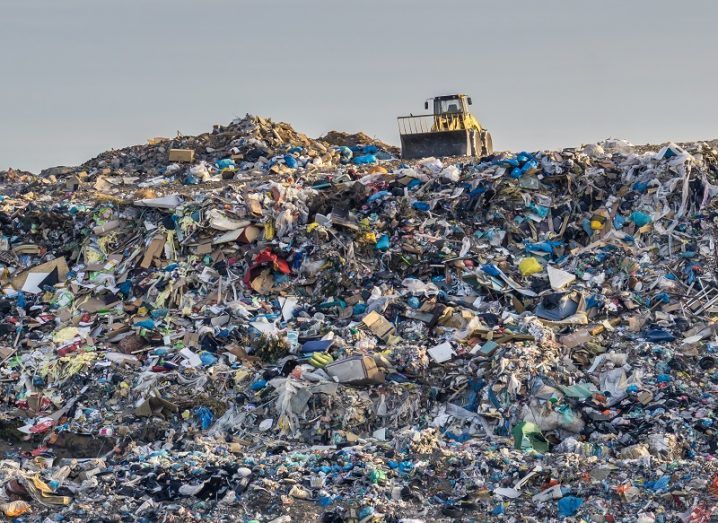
[[365, 159], [15, 508], [452, 173], [529, 266], [200, 171], [225, 163], [290, 161], [640, 218], [568, 506]]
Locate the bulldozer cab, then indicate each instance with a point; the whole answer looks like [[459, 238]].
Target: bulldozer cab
[[451, 113], [450, 131], [452, 104]]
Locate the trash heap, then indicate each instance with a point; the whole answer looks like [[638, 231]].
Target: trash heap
[[251, 325]]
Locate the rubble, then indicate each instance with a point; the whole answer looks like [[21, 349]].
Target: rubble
[[254, 325]]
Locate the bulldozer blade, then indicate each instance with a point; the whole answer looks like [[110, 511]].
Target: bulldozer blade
[[444, 143]]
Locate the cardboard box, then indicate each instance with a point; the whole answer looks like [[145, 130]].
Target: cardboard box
[[380, 326], [48, 273], [181, 155]]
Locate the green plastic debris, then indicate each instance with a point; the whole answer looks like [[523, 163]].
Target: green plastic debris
[[527, 436], [377, 476], [580, 391]]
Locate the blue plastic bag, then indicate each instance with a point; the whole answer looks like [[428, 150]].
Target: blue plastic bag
[[618, 221], [125, 288], [640, 218], [290, 161], [659, 484], [491, 270], [365, 149], [377, 195], [529, 166], [413, 302], [524, 157], [205, 417], [383, 243], [640, 187], [146, 324], [359, 308], [546, 246], [259, 384], [208, 359], [661, 297], [507, 162], [225, 163], [364, 159], [568, 506]]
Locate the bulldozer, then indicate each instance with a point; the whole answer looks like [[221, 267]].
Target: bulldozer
[[451, 131]]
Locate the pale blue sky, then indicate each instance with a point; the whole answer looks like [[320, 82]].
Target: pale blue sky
[[78, 77]]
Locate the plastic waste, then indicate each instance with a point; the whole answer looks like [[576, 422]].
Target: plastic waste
[[298, 335], [529, 266], [383, 243], [14, 509], [205, 417], [290, 161], [364, 159], [568, 506], [640, 218]]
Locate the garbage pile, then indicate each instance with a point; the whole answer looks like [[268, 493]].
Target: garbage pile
[[251, 325]]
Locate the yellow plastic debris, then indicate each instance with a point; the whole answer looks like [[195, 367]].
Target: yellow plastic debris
[[596, 225], [320, 359], [45, 492], [270, 231], [529, 266], [367, 237], [65, 335]]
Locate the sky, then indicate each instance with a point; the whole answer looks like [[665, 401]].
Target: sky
[[78, 77]]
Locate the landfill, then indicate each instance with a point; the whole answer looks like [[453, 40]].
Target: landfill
[[253, 325]]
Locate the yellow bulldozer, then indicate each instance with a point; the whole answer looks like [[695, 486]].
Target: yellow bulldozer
[[451, 131]]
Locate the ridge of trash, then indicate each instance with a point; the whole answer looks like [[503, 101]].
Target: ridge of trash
[[253, 325]]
